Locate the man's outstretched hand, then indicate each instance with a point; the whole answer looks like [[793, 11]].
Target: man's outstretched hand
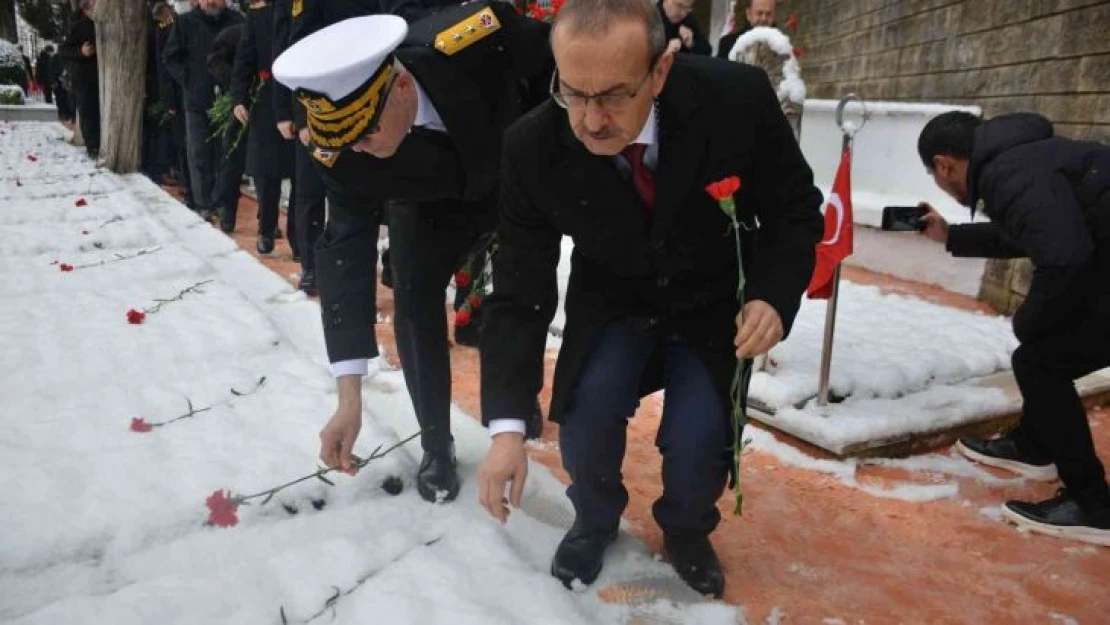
[[505, 464]]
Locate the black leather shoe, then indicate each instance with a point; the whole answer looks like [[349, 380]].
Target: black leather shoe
[[265, 246], [1063, 517], [697, 564], [580, 556], [1003, 453], [308, 282], [437, 481]]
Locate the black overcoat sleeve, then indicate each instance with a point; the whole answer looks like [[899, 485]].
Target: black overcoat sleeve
[[982, 240], [283, 97], [525, 294], [788, 208], [245, 67]]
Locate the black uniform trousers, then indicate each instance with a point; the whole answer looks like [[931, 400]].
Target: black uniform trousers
[[229, 168], [428, 242], [308, 208], [205, 160], [1054, 422], [88, 115], [181, 158]]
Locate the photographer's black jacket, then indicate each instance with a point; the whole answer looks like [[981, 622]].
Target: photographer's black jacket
[[1048, 199]]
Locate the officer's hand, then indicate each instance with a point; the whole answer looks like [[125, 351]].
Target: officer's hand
[[88, 49], [338, 437], [287, 130], [304, 136], [936, 228], [505, 463], [673, 46], [758, 329], [241, 114], [687, 36]]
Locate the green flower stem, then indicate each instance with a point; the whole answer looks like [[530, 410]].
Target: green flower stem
[[319, 475], [737, 392]]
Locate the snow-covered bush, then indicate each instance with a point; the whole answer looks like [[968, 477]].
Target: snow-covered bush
[[12, 70], [11, 94]]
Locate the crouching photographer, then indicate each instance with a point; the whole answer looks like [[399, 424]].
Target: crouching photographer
[[1048, 199]]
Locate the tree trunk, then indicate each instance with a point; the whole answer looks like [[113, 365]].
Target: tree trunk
[[8, 28], [121, 54]]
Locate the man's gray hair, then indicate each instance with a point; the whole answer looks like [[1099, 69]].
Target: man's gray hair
[[595, 17]]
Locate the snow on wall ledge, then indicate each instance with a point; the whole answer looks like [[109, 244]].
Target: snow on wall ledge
[[886, 171]]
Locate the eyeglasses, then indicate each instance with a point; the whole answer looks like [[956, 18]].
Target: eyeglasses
[[609, 101]]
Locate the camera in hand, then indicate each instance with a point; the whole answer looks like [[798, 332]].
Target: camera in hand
[[904, 218]]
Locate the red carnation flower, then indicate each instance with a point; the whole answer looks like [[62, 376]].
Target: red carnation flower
[[81, 202], [556, 6], [65, 267], [462, 279], [135, 317], [799, 53], [139, 424], [474, 301], [462, 318], [792, 22], [221, 510], [723, 189], [32, 158], [264, 74]]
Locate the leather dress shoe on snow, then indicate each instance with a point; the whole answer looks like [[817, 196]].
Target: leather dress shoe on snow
[[437, 481], [308, 282], [580, 556], [696, 563]]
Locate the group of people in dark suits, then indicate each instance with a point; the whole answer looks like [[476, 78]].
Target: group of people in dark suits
[[467, 121]]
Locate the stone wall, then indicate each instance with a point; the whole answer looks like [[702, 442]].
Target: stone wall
[[1045, 56]]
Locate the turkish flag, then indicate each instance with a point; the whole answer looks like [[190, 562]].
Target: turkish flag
[[837, 242]]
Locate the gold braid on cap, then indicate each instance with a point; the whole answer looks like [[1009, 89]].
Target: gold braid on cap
[[336, 125]]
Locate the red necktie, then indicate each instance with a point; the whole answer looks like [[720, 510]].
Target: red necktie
[[642, 177]]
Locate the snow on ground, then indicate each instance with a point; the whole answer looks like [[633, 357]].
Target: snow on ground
[[99, 524]]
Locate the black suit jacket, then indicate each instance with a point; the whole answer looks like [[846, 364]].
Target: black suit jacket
[[677, 270], [477, 92]]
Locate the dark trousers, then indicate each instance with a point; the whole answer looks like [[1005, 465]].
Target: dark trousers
[[269, 201], [308, 208], [181, 157], [1054, 422], [231, 165], [205, 158], [48, 94], [694, 435], [88, 115], [65, 103], [427, 242]]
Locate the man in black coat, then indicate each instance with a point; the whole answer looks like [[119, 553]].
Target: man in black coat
[[44, 74], [620, 160], [756, 13], [416, 121], [680, 25], [186, 59], [173, 99], [269, 155], [79, 49], [1048, 199]]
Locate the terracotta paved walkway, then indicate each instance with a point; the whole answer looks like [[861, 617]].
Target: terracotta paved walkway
[[813, 550]]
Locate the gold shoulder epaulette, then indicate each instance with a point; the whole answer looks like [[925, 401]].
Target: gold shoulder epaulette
[[467, 32], [326, 157], [298, 7]]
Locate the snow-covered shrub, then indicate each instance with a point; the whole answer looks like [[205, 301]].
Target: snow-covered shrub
[[12, 70], [11, 94]]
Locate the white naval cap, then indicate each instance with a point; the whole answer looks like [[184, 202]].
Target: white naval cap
[[336, 60]]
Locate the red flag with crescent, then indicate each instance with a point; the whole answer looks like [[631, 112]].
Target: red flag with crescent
[[836, 245]]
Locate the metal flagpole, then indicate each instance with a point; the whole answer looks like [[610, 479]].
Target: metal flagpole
[[849, 132]]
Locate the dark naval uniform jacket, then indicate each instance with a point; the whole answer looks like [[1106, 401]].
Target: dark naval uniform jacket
[[675, 267], [478, 91]]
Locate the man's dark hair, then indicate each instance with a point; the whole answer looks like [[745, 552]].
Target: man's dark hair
[[594, 17], [950, 134]]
